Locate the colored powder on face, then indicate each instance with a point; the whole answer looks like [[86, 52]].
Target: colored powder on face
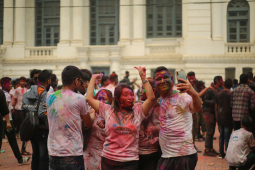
[[6, 86]]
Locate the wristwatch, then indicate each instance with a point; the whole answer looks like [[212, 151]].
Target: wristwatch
[[145, 81]]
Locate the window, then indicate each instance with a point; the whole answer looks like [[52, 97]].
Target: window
[[1, 20], [171, 71], [164, 18], [238, 21], [247, 69], [104, 22], [230, 73], [47, 20], [105, 70]]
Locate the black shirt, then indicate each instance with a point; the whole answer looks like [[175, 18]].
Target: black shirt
[[224, 109], [3, 105]]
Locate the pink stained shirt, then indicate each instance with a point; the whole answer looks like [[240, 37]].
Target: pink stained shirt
[[121, 143], [64, 110], [175, 136], [19, 93]]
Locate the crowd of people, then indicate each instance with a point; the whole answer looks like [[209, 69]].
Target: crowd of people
[[96, 122]]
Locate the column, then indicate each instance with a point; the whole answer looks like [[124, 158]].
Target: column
[[83, 57], [20, 22], [65, 22], [115, 57], [77, 23], [8, 23], [138, 20], [217, 21], [124, 22]]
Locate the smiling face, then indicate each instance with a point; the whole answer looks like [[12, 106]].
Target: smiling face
[[22, 83], [102, 97], [127, 98], [163, 82], [192, 80]]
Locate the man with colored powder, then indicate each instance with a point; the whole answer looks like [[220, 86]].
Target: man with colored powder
[[209, 115], [175, 136], [40, 157], [65, 111]]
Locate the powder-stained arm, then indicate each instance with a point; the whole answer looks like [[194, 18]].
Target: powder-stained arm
[[90, 93]]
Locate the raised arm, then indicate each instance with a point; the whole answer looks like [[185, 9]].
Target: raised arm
[[202, 93], [90, 93], [150, 101]]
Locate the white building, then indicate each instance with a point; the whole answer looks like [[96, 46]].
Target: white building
[[209, 37]]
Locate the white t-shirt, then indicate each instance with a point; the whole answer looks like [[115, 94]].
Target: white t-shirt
[[64, 110], [19, 92], [111, 88], [8, 99], [175, 136], [239, 146]]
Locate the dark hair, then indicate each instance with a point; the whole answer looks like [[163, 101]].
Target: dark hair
[[30, 82], [53, 85], [108, 92], [88, 72], [23, 79], [243, 78], [33, 72], [85, 76], [228, 83], [53, 77], [69, 74], [60, 87], [158, 69], [5, 80], [250, 75], [104, 79], [235, 81], [199, 85], [127, 72], [216, 79], [191, 73], [117, 94], [246, 121], [113, 77], [44, 76]]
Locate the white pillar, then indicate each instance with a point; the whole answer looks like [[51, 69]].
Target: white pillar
[[217, 21], [8, 23], [124, 22], [115, 59], [83, 57], [20, 22], [65, 27], [77, 23], [138, 20]]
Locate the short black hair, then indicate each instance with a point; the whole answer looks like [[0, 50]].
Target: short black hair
[[250, 75], [158, 69], [228, 83], [44, 76], [88, 72], [235, 81], [69, 74], [16, 82], [5, 80], [216, 79], [104, 78], [127, 72], [85, 76], [191, 73], [243, 78], [33, 72], [246, 121]]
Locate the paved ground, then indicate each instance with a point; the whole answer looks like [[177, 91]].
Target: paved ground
[[9, 162]]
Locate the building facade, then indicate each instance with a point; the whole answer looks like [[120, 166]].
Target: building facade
[[213, 37]]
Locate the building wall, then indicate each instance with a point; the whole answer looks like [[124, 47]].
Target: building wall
[[203, 47]]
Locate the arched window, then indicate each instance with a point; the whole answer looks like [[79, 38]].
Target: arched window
[[47, 21], [164, 18], [104, 22], [238, 21]]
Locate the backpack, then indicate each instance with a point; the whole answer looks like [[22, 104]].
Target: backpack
[[31, 124]]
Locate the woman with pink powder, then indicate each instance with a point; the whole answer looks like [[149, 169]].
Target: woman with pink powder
[[122, 123], [93, 151]]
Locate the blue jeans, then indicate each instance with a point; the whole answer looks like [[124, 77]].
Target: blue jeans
[[225, 133], [40, 156], [67, 163]]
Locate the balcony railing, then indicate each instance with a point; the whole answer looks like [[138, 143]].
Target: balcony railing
[[34, 52], [238, 48], [162, 49]]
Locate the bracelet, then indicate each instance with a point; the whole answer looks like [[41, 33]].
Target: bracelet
[[145, 81]]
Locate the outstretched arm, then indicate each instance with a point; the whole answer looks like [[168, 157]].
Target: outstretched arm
[[90, 93], [150, 101], [202, 93]]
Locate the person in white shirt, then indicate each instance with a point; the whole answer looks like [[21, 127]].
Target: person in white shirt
[[241, 147], [175, 115], [113, 83]]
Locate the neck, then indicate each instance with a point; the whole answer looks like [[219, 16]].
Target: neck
[[226, 89], [217, 86], [165, 94], [44, 85], [68, 88], [114, 83]]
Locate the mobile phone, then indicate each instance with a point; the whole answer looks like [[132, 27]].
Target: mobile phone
[[181, 74]]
